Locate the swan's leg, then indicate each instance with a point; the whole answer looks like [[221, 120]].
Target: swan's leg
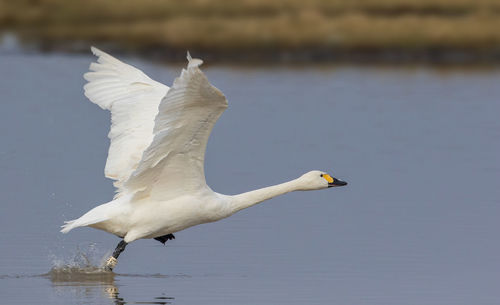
[[163, 239], [113, 259]]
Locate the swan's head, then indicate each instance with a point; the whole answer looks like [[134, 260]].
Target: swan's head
[[316, 180]]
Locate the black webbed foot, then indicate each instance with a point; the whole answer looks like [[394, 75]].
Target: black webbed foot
[[163, 239]]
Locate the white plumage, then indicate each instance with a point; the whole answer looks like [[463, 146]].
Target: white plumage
[[133, 99], [156, 156]]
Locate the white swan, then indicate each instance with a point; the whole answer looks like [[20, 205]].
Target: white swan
[[156, 157]]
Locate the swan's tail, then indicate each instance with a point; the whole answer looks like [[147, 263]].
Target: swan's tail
[[86, 220], [98, 214], [68, 226]]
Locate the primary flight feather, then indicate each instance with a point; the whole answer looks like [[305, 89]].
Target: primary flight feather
[[156, 156]]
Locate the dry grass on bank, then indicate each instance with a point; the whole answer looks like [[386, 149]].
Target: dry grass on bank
[[225, 25]]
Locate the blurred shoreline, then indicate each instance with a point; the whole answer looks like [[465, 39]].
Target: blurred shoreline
[[440, 57], [253, 31]]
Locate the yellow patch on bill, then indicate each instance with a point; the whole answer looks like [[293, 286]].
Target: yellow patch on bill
[[328, 178]]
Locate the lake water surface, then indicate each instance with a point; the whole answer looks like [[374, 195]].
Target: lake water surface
[[417, 224]]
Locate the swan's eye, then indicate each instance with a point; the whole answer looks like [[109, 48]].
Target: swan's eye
[[321, 175]]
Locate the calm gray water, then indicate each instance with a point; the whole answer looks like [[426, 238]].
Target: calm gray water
[[417, 224]]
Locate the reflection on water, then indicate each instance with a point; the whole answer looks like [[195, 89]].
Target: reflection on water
[[80, 275], [85, 281], [91, 281]]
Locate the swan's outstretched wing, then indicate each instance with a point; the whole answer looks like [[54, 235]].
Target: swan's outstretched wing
[[133, 99], [173, 163]]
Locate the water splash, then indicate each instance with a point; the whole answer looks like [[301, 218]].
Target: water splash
[[83, 265]]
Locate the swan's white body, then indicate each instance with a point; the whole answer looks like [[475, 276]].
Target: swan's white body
[[156, 156]]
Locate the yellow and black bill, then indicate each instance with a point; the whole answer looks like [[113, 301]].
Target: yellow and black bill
[[333, 181]]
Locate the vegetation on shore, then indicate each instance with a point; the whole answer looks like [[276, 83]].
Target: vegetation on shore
[[315, 28]]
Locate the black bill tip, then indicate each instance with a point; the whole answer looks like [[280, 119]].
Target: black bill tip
[[337, 182]]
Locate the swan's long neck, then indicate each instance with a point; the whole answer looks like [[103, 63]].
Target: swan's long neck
[[248, 199]]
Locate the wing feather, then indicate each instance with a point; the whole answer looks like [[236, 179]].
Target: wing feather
[[133, 99], [174, 162]]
